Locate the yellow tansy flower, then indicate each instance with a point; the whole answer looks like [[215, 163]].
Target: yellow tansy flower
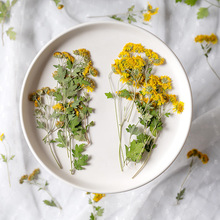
[[58, 106], [2, 137], [204, 159], [178, 107], [98, 196], [60, 6]]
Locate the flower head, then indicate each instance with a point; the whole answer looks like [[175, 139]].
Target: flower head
[[2, 137], [98, 196]]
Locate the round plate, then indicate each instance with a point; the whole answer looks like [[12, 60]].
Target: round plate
[[105, 40]]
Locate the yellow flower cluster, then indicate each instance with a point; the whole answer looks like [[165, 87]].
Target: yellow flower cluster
[[132, 63], [207, 38], [83, 53], [2, 137], [195, 153], [150, 11], [98, 196], [58, 107], [30, 177], [65, 55], [157, 89], [59, 124], [60, 7]]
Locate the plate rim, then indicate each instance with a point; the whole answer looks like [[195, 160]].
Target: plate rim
[[28, 73]]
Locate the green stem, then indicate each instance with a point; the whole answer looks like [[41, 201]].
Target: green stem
[[3, 31], [7, 158], [185, 179], [53, 153], [212, 4], [52, 198], [212, 68]]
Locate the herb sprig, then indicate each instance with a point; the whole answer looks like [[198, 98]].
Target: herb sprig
[[206, 42], [33, 179], [97, 211], [191, 154], [7, 156], [132, 15], [203, 12], [64, 110], [5, 9], [148, 93]]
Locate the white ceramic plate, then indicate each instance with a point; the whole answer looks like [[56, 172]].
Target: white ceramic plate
[[105, 40]]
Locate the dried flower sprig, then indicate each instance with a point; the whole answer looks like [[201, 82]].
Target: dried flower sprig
[[33, 179], [64, 110], [206, 42], [7, 156], [133, 15], [58, 4], [149, 93], [5, 9], [97, 211], [191, 154], [203, 11]]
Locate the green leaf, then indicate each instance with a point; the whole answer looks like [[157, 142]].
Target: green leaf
[[167, 115], [133, 129], [99, 210], [11, 34], [7, 3], [109, 95], [12, 157], [190, 2], [131, 8], [50, 203], [180, 195], [178, 1], [78, 150], [116, 18], [124, 93], [80, 159], [202, 13], [13, 3], [57, 2], [41, 124], [58, 96], [131, 18], [92, 217], [135, 151], [4, 158], [61, 139]]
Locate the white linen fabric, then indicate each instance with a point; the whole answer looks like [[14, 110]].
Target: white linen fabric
[[36, 23]]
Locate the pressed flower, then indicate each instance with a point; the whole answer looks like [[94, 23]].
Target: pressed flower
[[98, 196], [24, 177], [207, 38], [59, 124], [58, 55], [59, 107], [204, 159], [60, 6], [2, 137], [178, 107], [34, 174]]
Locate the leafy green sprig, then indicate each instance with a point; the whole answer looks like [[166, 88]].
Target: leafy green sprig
[[7, 156], [66, 113], [203, 12], [97, 211], [191, 154], [33, 179], [5, 9], [58, 4], [132, 15]]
